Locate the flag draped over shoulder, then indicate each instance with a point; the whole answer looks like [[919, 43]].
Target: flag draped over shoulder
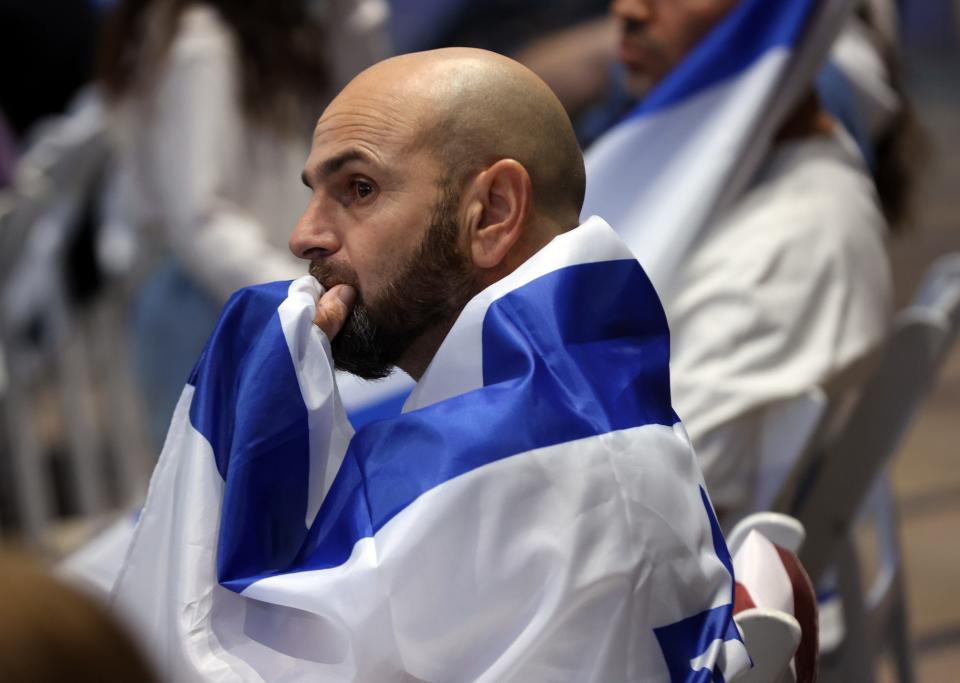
[[535, 513], [691, 147]]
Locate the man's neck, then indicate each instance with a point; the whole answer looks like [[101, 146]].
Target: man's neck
[[417, 358], [538, 234]]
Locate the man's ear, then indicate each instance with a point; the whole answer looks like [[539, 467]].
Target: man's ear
[[496, 211]]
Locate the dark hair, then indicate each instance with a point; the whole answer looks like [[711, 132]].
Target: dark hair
[[900, 152], [903, 146], [281, 51]]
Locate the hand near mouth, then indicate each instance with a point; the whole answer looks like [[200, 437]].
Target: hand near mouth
[[333, 308]]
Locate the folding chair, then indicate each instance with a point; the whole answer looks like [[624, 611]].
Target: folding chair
[[919, 343], [832, 404], [790, 426], [37, 327], [794, 429], [939, 286], [852, 465]]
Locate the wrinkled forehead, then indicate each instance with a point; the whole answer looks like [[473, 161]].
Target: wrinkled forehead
[[378, 121]]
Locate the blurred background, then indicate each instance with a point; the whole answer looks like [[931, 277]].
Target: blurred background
[[150, 154], [925, 471]]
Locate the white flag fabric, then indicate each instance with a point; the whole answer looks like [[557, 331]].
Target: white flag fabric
[[690, 147], [536, 513], [367, 401]]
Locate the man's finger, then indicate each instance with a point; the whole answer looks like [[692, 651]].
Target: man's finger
[[333, 308]]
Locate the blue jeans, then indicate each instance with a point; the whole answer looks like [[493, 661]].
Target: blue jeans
[[172, 319]]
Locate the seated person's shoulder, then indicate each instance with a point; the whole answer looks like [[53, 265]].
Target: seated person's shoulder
[[813, 207], [812, 189]]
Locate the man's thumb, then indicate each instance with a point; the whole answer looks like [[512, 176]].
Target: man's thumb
[[333, 308]]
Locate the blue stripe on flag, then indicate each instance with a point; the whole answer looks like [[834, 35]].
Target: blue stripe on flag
[[614, 372], [381, 409], [719, 544], [560, 363], [752, 28], [223, 359], [690, 638], [248, 405]]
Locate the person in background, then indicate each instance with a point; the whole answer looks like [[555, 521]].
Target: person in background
[[50, 632], [859, 85], [788, 286], [212, 104]]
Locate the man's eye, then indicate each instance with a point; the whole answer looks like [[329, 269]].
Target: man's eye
[[362, 189]]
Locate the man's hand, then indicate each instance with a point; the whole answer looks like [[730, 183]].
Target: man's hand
[[333, 308]]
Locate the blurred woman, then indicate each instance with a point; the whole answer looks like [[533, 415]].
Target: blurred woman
[[213, 104]]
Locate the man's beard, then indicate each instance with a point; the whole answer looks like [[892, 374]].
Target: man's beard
[[429, 290]]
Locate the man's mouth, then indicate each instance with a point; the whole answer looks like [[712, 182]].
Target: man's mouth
[[634, 55], [331, 283], [330, 275]]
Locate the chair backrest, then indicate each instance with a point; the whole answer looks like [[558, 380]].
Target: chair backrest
[[854, 457], [940, 291], [838, 396], [789, 426]]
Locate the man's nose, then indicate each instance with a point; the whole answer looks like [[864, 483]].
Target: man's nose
[[315, 235], [631, 10]]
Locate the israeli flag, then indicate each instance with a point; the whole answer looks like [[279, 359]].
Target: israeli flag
[[691, 147], [536, 512]]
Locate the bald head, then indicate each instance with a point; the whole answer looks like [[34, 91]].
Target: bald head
[[433, 175], [470, 108]]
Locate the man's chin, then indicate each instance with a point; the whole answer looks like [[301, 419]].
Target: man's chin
[[639, 84]]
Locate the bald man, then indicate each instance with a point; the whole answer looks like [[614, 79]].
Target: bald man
[[535, 513]]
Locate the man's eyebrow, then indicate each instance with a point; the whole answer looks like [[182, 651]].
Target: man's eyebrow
[[330, 166]]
